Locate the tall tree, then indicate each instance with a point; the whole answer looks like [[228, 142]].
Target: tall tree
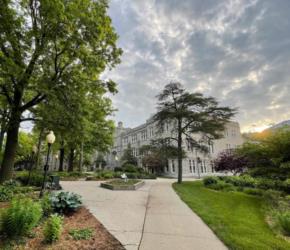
[[128, 156], [46, 46], [190, 114]]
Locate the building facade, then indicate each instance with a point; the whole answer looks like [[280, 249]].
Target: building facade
[[196, 163]]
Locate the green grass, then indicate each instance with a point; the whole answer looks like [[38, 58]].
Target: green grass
[[237, 219]]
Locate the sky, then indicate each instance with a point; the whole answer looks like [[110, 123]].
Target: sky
[[237, 51]]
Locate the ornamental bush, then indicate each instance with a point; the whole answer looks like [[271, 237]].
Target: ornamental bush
[[20, 217], [6, 193], [65, 202], [210, 180], [284, 220], [52, 228]]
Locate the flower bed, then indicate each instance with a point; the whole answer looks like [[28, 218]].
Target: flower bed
[[119, 184]]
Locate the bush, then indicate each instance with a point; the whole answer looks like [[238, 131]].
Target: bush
[[240, 181], [221, 186], [253, 191], [46, 205], [266, 184], [132, 175], [81, 234], [6, 193], [118, 169], [210, 180], [65, 202], [36, 178], [20, 217], [272, 197], [52, 228], [130, 168], [284, 220], [108, 175]]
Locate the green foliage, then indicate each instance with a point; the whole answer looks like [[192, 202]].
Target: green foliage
[[20, 217], [65, 202], [253, 191], [70, 51], [46, 205], [128, 157], [81, 234], [242, 181], [188, 114], [36, 178], [210, 180], [52, 228], [129, 168], [284, 220], [6, 193], [269, 158]]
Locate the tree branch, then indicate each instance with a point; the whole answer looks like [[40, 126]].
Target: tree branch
[[37, 99]]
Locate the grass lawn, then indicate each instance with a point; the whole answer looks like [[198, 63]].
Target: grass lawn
[[237, 219]]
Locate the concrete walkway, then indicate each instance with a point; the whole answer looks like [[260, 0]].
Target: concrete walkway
[[150, 218]]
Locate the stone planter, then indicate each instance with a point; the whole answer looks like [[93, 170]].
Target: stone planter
[[112, 186]]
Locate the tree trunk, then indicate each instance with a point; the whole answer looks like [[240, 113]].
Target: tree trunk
[[2, 133], [179, 148], [11, 146], [81, 157], [71, 161], [61, 157]]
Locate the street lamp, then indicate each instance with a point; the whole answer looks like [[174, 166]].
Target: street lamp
[[50, 138]]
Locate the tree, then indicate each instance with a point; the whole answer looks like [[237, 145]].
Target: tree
[[157, 153], [48, 46], [230, 161], [128, 156], [270, 155], [190, 114]]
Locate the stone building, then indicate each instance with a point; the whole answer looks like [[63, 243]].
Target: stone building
[[196, 163]]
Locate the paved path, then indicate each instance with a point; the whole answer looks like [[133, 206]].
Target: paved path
[[151, 218]]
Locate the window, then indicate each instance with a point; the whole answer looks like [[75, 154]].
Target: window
[[190, 166], [204, 165], [167, 167], [172, 166], [193, 165]]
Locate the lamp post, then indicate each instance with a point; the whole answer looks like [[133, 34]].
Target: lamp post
[[50, 138]]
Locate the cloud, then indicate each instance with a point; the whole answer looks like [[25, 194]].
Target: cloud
[[235, 50]]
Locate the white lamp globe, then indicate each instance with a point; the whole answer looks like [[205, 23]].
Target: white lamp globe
[[50, 138]]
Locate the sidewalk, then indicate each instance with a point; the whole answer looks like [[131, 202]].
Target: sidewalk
[[151, 218]]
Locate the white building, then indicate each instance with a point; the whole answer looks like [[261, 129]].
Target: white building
[[195, 164]]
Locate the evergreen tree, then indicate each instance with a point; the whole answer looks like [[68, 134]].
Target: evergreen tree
[[190, 114]]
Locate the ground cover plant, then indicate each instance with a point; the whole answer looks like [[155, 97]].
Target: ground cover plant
[[81, 234], [238, 219]]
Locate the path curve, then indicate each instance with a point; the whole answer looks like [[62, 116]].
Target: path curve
[[150, 218]]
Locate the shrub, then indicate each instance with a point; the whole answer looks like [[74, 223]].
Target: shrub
[[11, 183], [265, 183], [210, 180], [241, 181], [222, 186], [6, 193], [284, 220], [65, 202], [36, 178], [271, 197], [108, 175], [130, 168], [118, 169], [20, 217], [52, 228], [253, 191], [46, 205], [132, 175], [81, 234]]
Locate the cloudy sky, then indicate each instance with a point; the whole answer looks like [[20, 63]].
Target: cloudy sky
[[235, 50]]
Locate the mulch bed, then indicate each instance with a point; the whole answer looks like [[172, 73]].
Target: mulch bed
[[101, 239]]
